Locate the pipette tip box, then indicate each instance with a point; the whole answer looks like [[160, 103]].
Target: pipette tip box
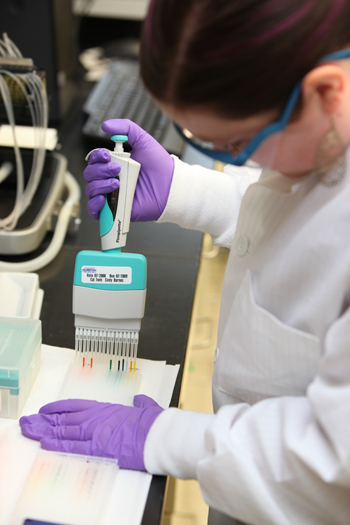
[[20, 348]]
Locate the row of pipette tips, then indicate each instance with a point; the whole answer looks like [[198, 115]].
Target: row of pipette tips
[[117, 349], [122, 365]]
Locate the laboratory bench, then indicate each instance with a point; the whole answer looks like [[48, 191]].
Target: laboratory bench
[[172, 257]]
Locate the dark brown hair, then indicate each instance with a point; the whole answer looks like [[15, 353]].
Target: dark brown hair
[[237, 57]]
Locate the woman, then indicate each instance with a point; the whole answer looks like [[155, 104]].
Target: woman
[[277, 449]]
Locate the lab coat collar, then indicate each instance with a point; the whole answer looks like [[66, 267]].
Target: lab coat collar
[[283, 184], [276, 181]]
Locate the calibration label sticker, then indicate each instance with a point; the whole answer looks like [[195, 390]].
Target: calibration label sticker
[[106, 274]]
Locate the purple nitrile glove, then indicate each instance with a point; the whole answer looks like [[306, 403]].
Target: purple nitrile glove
[[87, 427], [156, 173], [102, 182]]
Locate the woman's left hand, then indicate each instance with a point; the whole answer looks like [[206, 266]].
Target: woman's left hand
[[95, 429]]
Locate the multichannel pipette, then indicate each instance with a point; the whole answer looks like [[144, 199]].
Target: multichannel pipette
[[109, 291]]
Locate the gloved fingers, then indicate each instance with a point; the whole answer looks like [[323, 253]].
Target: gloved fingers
[[71, 424], [99, 155], [28, 420], [95, 205], [137, 137], [39, 419], [142, 401], [33, 426], [69, 405], [31, 431], [72, 446], [58, 419], [100, 187], [53, 432], [38, 425], [92, 416], [99, 171]]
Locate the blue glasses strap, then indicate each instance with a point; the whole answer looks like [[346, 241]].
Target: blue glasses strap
[[275, 127]]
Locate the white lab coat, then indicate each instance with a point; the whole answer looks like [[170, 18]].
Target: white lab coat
[[277, 450]]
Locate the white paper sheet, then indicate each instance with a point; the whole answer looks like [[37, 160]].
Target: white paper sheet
[[17, 453]]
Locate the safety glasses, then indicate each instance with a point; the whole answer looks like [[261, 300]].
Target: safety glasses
[[265, 143]]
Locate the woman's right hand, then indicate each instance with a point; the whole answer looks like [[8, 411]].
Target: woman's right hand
[[155, 177]]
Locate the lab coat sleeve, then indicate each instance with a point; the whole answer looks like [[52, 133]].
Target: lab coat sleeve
[[282, 461], [207, 200]]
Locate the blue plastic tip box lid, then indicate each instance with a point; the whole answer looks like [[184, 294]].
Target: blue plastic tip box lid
[[19, 342]]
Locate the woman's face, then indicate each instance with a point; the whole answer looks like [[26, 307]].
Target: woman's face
[[291, 152]]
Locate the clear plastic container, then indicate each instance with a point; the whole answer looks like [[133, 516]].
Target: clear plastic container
[[20, 348], [66, 488]]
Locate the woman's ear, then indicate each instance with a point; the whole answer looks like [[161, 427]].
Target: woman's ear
[[325, 85]]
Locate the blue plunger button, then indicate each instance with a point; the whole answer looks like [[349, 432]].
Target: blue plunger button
[[120, 138]]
